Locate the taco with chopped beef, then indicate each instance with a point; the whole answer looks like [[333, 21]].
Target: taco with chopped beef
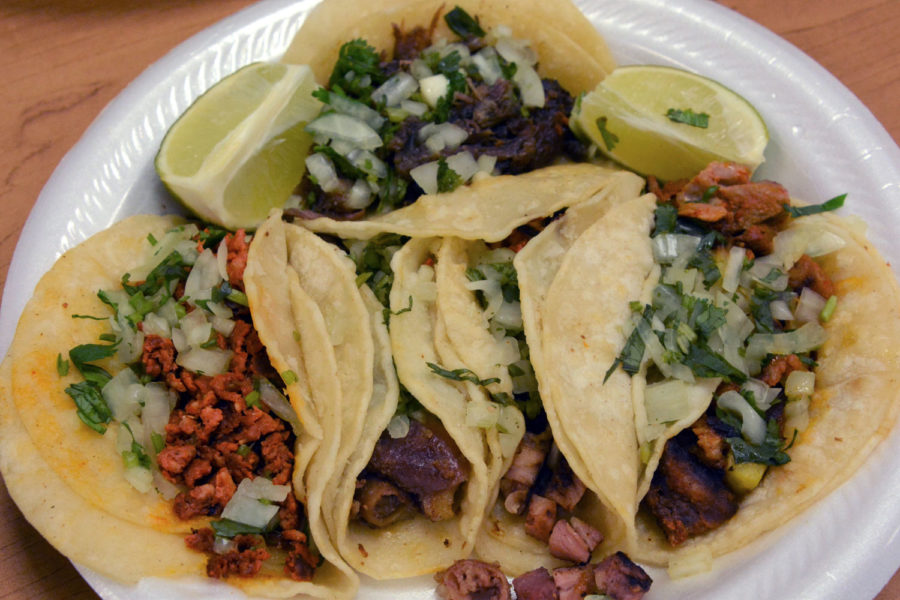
[[421, 100], [156, 405], [715, 360]]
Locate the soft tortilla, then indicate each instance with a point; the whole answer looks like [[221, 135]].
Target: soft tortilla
[[66, 478]]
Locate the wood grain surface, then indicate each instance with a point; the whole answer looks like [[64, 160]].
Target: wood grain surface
[[62, 61]]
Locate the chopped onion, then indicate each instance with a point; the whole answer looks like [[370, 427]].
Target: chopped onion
[[809, 238], [438, 136], [808, 337], [753, 427], [425, 176], [463, 164], [760, 390], [166, 488], [780, 310], [153, 324], [368, 163], [414, 108], [399, 87], [509, 316], [800, 383], [357, 110], [809, 306], [321, 167], [279, 404], [420, 69], [398, 427], [731, 277], [485, 60], [223, 545], [486, 163], [434, 88], [360, 195], [531, 88], [796, 414], [122, 394], [196, 328], [337, 126], [204, 276], [767, 272], [245, 506], [511, 420], [205, 362], [492, 293], [516, 51], [140, 478], [526, 382]]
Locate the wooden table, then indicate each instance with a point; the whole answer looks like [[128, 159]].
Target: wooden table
[[62, 61]]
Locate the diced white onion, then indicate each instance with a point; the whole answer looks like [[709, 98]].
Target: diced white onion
[[509, 315], [434, 88], [667, 401], [438, 136], [414, 108], [204, 276], [398, 427], [760, 391], [140, 478], [153, 324], [485, 60], [397, 88], [768, 272], [492, 293], [158, 402], [321, 167], [179, 340], [205, 362], [279, 404], [753, 427], [486, 163], [420, 69], [463, 164], [780, 310], [245, 506], [357, 110], [425, 176], [337, 126], [223, 545], [122, 394], [359, 196], [196, 328], [368, 163], [796, 415], [731, 277], [809, 306], [166, 488], [800, 383], [516, 51], [531, 88], [808, 337]]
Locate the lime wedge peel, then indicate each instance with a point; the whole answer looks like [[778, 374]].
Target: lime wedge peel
[[239, 149], [626, 117]]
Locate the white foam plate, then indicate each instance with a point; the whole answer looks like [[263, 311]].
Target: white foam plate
[[824, 142]]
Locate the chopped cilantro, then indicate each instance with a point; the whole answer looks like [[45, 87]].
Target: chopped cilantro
[[151, 239], [462, 24], [665, 218], [86, 353], [769, 452], [633, 353], [62, 365], [447, 179], [609, 138], [688, 117], [91, 317], [802, 211], [158, 441], [289, 377], [706, 363], [357, 70], [211, 236], [709, 193], [828, 309], [227, 528], [252, 399], [91, 408], [461, 375]]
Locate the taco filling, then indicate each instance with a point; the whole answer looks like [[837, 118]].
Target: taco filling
[[434, 115], [738, 308], [202, 415]]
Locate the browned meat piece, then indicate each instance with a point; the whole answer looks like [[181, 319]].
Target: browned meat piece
[[687, 497], [473, 580], [423, 462], [535, 585], [541, 517], [564, 488], [245, 561], [438, 506], [591, 536], [300, 563], [665, 194], [573, 583], [808, 273], [238, 245], [409, 44], [565, 543], [494, 103], [158, 356], [201, 540], [381, 503], [524, 469], [620, 579], [759, 238], [278, 459], [172, 460], [712, 447], [752, 203], [777, 370]]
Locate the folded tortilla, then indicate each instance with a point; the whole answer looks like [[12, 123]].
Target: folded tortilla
[[68, 480], [578, 309]]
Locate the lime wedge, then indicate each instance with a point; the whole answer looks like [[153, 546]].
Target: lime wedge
[[669, 123], [239, 150]]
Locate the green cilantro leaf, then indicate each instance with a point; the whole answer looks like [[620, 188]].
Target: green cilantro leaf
[[802, 211], [609, 138]]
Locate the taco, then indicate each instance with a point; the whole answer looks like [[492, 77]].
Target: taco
[[144, 412], [729, 359], [411, 482], [419, 102]]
